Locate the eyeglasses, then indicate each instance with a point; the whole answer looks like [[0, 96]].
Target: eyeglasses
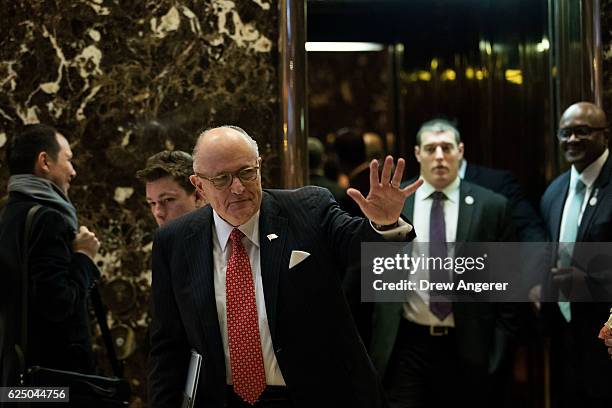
[[581, 132], [224, 180]]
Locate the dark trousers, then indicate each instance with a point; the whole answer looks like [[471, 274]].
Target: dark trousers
[[272, 397], [581, 370], [423, 369]]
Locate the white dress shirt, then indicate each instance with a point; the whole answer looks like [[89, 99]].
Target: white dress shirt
[[221, 255], [222, 250], [588, 177], [416, 309], [462, 168]]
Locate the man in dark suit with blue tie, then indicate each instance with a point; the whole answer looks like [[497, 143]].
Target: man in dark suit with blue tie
[[434, 354], [577, 207], [252, 282]]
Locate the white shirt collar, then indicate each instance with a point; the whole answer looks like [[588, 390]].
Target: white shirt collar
[[250, 229], [462, 168], [425, 191], [589, 174]]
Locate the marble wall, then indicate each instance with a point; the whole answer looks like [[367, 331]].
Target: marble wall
[[126, 79]]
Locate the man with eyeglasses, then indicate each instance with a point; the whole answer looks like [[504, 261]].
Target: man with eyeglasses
[[577, 207], [252, 282], [169, 192]]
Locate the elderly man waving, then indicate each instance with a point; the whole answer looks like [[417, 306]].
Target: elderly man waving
[[252, 282]]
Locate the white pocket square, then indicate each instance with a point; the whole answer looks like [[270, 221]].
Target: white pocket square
[[297, 257]]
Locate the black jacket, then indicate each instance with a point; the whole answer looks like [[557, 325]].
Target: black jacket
[[58, 321], [529, 226], [593, 365], [321, 357], [484, 332]]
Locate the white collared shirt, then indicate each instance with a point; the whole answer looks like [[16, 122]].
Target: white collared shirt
[[588, 177], [462, 168], [416, 309], [222, 250]]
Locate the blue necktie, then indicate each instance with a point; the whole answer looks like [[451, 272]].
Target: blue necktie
[[437, 248], [570, 231]]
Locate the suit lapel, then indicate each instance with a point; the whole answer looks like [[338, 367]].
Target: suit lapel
[[271, 254], [599, 189], [556, 208], [408, 210], [199, 252], [465, 218]]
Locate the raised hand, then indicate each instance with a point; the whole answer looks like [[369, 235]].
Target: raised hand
[[385, 200]]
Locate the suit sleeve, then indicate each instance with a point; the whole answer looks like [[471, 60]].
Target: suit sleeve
[[59, 277], [169, 346], [344, 234]]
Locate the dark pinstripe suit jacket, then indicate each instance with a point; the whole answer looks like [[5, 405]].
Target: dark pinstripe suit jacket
[[322, 359]]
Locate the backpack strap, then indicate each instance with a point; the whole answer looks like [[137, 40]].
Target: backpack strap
[[22, 347]]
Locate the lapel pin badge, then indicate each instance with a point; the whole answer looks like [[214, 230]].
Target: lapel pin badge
[[469, 200], [271, 236], [593, 200]]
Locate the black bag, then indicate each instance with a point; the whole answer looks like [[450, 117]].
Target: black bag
[[85, 390]]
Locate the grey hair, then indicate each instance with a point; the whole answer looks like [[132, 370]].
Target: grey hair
[[252, 142], [438, 126]]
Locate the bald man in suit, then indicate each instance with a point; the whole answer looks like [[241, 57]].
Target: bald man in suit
[[252, 282], [581, 373]]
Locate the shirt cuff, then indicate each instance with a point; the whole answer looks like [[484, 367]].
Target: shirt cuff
[[402, 230]]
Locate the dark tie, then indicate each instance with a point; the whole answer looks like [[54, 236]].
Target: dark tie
[[246, 357], [437, 249]]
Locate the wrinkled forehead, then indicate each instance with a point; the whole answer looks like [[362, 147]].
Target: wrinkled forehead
[[224, 151]]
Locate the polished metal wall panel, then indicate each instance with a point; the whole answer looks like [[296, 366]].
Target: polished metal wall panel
[[485, 64], [293, 111]]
